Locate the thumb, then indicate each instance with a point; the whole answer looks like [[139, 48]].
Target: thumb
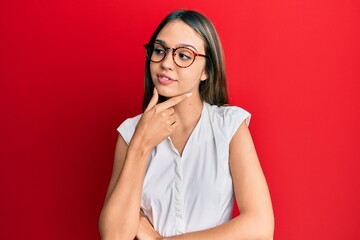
[[153, 100]]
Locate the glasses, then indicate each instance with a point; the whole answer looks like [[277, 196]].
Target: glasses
[[183, 56]]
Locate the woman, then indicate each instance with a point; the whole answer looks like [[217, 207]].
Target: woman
[[179, 165]]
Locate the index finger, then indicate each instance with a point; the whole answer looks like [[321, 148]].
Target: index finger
[[173, 101], [153, 100]]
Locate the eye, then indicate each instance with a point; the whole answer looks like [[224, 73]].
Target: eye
[[185, 54], [159, 51]]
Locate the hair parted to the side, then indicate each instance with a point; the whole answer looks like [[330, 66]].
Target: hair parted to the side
[[214, 89]]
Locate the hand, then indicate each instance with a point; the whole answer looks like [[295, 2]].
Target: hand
[[146, 230], [157, 122]]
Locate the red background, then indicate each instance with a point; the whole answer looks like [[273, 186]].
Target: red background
[[72, 71]]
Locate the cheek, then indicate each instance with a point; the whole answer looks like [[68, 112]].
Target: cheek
[[190, 78], [194, 73], [152, 69]]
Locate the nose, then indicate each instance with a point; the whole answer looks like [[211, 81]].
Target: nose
[[168, 61]]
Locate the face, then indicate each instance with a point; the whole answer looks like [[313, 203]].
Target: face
[[169, 79]]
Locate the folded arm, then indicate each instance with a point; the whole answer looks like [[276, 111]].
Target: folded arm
[[119, 218], [256, 220]]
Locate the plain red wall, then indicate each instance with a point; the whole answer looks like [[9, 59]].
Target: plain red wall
[[72, 71]]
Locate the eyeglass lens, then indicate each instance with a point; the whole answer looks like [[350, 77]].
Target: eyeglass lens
[[182, 56]]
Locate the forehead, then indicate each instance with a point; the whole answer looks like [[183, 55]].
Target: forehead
[[177, 33]]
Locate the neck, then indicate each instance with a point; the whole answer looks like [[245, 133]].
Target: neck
[[188, 112]]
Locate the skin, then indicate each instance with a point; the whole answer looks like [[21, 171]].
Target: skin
[[176, 118], [186, 80]]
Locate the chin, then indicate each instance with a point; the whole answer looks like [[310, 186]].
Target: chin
[[167, 94]]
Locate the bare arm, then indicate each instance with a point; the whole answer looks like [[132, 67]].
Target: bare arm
[[256, 219], [119, 218], [124, 190]]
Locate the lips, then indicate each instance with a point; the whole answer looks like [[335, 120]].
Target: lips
[[164, 79]]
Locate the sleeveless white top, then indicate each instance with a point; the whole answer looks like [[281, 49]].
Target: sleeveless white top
[[194, 191]]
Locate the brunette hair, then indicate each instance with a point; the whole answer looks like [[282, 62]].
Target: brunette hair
[[214, 89]]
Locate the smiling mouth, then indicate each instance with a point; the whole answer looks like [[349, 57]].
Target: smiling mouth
[[164, 80]]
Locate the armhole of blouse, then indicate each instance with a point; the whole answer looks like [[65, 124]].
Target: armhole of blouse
[[127, 128], [236, 117]]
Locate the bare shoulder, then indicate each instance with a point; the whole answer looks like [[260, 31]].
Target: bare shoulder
[[243, 160], [242, 138]]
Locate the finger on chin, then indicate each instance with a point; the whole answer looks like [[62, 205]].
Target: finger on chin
[[153, 100]]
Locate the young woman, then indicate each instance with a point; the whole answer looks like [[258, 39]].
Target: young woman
[[179, 165]]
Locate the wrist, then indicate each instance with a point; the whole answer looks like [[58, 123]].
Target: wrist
[[138, 150], [139, 144]]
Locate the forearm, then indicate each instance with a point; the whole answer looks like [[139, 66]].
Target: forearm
[[119, 218], [242, 227], [120, 215]]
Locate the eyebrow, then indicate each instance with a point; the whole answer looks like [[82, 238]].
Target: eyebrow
[[178, 45]]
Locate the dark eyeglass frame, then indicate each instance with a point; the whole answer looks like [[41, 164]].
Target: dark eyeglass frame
[[148, 45]]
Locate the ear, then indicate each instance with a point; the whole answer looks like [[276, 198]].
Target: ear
[[204, 75]]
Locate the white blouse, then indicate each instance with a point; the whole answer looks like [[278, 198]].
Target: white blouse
[[194, 191]]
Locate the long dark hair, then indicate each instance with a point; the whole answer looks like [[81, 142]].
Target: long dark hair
[[214, 89]]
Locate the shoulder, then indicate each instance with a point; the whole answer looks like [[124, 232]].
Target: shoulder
[[129, 122], [228, 118], [229, 113], [127, 127]]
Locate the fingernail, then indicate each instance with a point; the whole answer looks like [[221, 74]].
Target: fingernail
[[189, 94]]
